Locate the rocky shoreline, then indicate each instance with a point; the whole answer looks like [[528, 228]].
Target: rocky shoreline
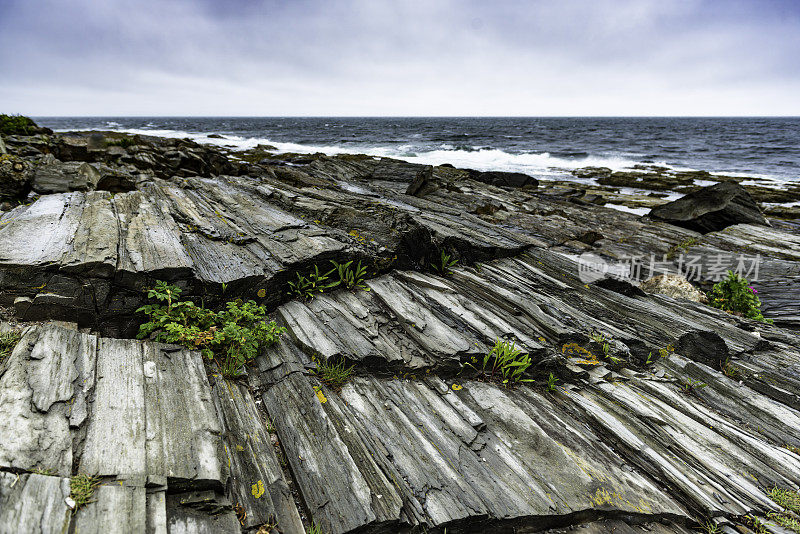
[[625, 438]]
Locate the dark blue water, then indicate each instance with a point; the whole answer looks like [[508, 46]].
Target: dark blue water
[[759, 147]]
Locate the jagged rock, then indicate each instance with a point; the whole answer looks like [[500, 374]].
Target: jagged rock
[[673, 285], [421, 183], [711, 209]]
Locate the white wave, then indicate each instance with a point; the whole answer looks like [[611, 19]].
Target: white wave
[[479, 158]]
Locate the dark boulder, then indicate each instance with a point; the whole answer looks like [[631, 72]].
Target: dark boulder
[[703, 346], [15, 177], [711, 209], [501, 178]]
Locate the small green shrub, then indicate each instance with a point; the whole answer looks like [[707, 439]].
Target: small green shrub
[[445, 264], [81, 490], [8, 341], [504, 363], [349, 277], [16, 125], [232, 336], [735, 295], [334, 374], [307, 287]]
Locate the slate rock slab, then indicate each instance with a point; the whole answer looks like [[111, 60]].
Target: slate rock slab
[[711, 209]]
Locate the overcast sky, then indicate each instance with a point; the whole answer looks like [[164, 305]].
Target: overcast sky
[[369, 57]]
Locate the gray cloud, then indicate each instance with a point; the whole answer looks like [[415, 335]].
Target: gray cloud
[[435, 57]]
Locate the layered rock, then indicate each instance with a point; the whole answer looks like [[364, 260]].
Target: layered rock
[[625, 438]]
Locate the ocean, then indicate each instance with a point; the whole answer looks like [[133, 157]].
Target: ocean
[[767, 148]]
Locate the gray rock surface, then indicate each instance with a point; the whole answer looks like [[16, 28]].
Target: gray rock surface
[[627, 440]]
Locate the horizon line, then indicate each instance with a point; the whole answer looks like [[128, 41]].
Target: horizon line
[[422, 116]]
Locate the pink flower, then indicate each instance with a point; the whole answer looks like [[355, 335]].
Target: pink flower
[[754, 290]]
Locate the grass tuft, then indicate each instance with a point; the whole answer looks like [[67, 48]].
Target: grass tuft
[[81, 490], [333, 374], [8, 341], [789, 499], [730, 370], [785, 520], [504, 363]]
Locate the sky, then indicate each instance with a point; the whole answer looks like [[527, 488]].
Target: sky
[[399, 58]]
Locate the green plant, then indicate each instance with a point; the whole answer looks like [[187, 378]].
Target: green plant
[[349, 277], [231, 336], [505, 362], [8, 341], [334, 374], [683, 246], [124, 142], [709, 527], [270, 426], [735, 295], [307, 287], [81, 490], [785, 520], [16, 125], [663, 352], [445, 265], [315, 528], [786, 498], [41, 471], [730, 370], [263, 529], [690, 385], [551, 382], [755, 524]]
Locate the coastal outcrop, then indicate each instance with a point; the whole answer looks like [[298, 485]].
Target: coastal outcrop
[[640, 411], [711, 209]]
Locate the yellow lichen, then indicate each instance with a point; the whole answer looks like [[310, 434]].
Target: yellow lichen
[[257, 489]]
